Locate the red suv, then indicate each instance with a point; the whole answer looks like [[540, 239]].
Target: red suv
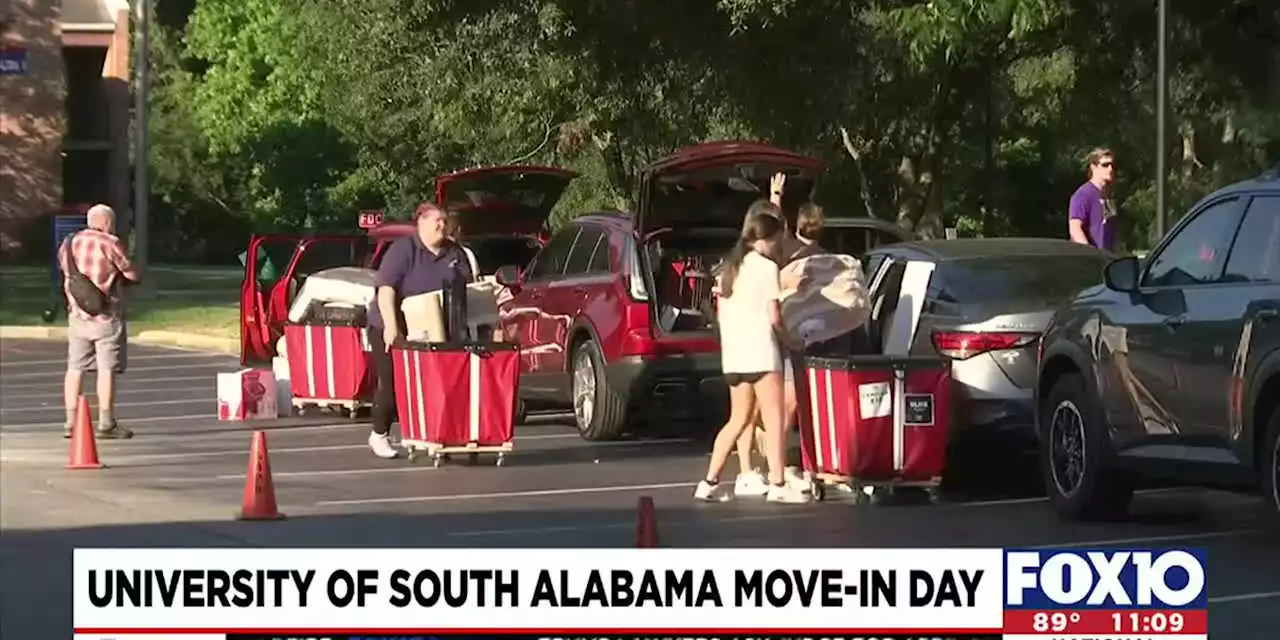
[[614, 315], [504, 211]]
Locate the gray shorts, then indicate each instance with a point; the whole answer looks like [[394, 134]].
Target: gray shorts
[[94, 345]]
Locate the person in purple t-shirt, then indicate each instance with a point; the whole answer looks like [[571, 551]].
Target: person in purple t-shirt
[[1092, 211]]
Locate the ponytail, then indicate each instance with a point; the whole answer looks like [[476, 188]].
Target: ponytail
[[758, 226], [732, 263]]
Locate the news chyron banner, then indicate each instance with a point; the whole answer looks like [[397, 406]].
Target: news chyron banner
[[202, 594]]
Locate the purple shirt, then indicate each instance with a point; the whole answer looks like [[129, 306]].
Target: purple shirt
[[412, 269], [1090, 206]]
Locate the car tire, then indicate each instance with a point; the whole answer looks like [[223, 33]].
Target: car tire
[[598, 409], [1270, 458], [521, 412], [1076, 457]]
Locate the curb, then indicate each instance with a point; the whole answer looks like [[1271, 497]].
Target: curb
[[229, 346]]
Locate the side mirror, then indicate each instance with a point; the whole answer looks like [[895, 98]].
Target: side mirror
[[508, 276], [1122, 274]]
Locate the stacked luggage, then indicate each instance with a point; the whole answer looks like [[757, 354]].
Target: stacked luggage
[[456, 387]]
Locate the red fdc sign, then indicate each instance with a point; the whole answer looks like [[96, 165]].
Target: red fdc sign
[[370, 219]]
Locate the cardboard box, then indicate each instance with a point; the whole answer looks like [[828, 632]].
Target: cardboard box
[[424, 314], [248, 394]]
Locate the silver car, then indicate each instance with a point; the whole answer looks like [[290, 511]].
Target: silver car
[[985, 303]]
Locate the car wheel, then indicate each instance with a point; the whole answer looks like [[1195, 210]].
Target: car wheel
[[1075, 456], [521, 411], [598, 409], [1271, 464]]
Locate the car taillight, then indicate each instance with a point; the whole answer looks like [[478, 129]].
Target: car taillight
[[962, 345]]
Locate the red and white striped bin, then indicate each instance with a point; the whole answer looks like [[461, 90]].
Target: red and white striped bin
[[875, 420], [457, 398], [330, 365]]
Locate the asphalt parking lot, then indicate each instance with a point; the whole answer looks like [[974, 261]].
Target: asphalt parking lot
[[179, 482]]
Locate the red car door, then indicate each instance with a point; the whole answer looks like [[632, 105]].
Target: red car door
[[265, 262], [266, 295], [529, 314]]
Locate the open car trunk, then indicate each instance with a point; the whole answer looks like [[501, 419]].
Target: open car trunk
[[692, 206]]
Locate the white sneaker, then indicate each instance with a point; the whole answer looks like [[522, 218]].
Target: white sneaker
[[797, 479], [751, 483], [381, 446], [708, 492], [788, 493]]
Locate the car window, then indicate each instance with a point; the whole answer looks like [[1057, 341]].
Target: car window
[[326, 254], [551, 260], [1016, 280], [1197, 253], [1255, 256], [870, 264], [580, 255], [856, 241], [600, 257]]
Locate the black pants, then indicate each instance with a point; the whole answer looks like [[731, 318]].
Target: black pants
[[384, 397]]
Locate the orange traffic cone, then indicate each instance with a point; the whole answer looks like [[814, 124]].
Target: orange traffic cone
[[646, 524], [83, 453], [259, 492]]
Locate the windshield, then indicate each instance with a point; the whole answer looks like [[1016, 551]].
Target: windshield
[[994, 279]]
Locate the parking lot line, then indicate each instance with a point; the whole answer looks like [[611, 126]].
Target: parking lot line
[[9, 388], [171, 367], [509, 494], [58, 424], [151, 403], [149, 356], [1244, 597], [207, 389], [144, 457], [332, 472], [1147, 540]]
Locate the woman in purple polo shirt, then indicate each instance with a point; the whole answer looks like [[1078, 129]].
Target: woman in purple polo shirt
[[420, 263], [1092, 211]]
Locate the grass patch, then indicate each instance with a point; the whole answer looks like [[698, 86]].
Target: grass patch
[[160, 314], [29, 282]]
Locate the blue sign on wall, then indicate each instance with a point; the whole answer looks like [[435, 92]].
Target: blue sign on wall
[[13, 61], [63, 226]]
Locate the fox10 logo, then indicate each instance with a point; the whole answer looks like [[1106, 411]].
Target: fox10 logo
[[1105, 579]]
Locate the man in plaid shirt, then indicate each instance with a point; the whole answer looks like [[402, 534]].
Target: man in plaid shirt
[[97, 339]]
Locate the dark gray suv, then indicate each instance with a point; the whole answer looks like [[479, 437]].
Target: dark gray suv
[[1170, 370]]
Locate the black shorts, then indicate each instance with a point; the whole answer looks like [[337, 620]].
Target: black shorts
[[735, 379]]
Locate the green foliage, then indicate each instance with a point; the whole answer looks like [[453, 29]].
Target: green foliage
[[968, 113]]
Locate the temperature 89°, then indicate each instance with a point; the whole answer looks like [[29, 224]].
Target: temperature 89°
[[1055, 622]]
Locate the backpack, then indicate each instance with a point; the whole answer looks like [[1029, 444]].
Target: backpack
[[86, 294]]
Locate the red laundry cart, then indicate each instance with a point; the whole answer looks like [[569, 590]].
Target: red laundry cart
[[874, 420], [330, 366], [457, 397]]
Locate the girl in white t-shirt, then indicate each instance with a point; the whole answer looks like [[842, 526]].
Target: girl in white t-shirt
[[751, 333]]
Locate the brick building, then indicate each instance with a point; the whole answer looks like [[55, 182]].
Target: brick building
[[64, 119]]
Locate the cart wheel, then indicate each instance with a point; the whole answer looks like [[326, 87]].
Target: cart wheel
[[819, 491], [502, 457], [411, 454], [435, 461], [352, 412]]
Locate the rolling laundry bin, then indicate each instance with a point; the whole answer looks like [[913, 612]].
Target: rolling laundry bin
[[874, 420], [457, 397], [330, 366]]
